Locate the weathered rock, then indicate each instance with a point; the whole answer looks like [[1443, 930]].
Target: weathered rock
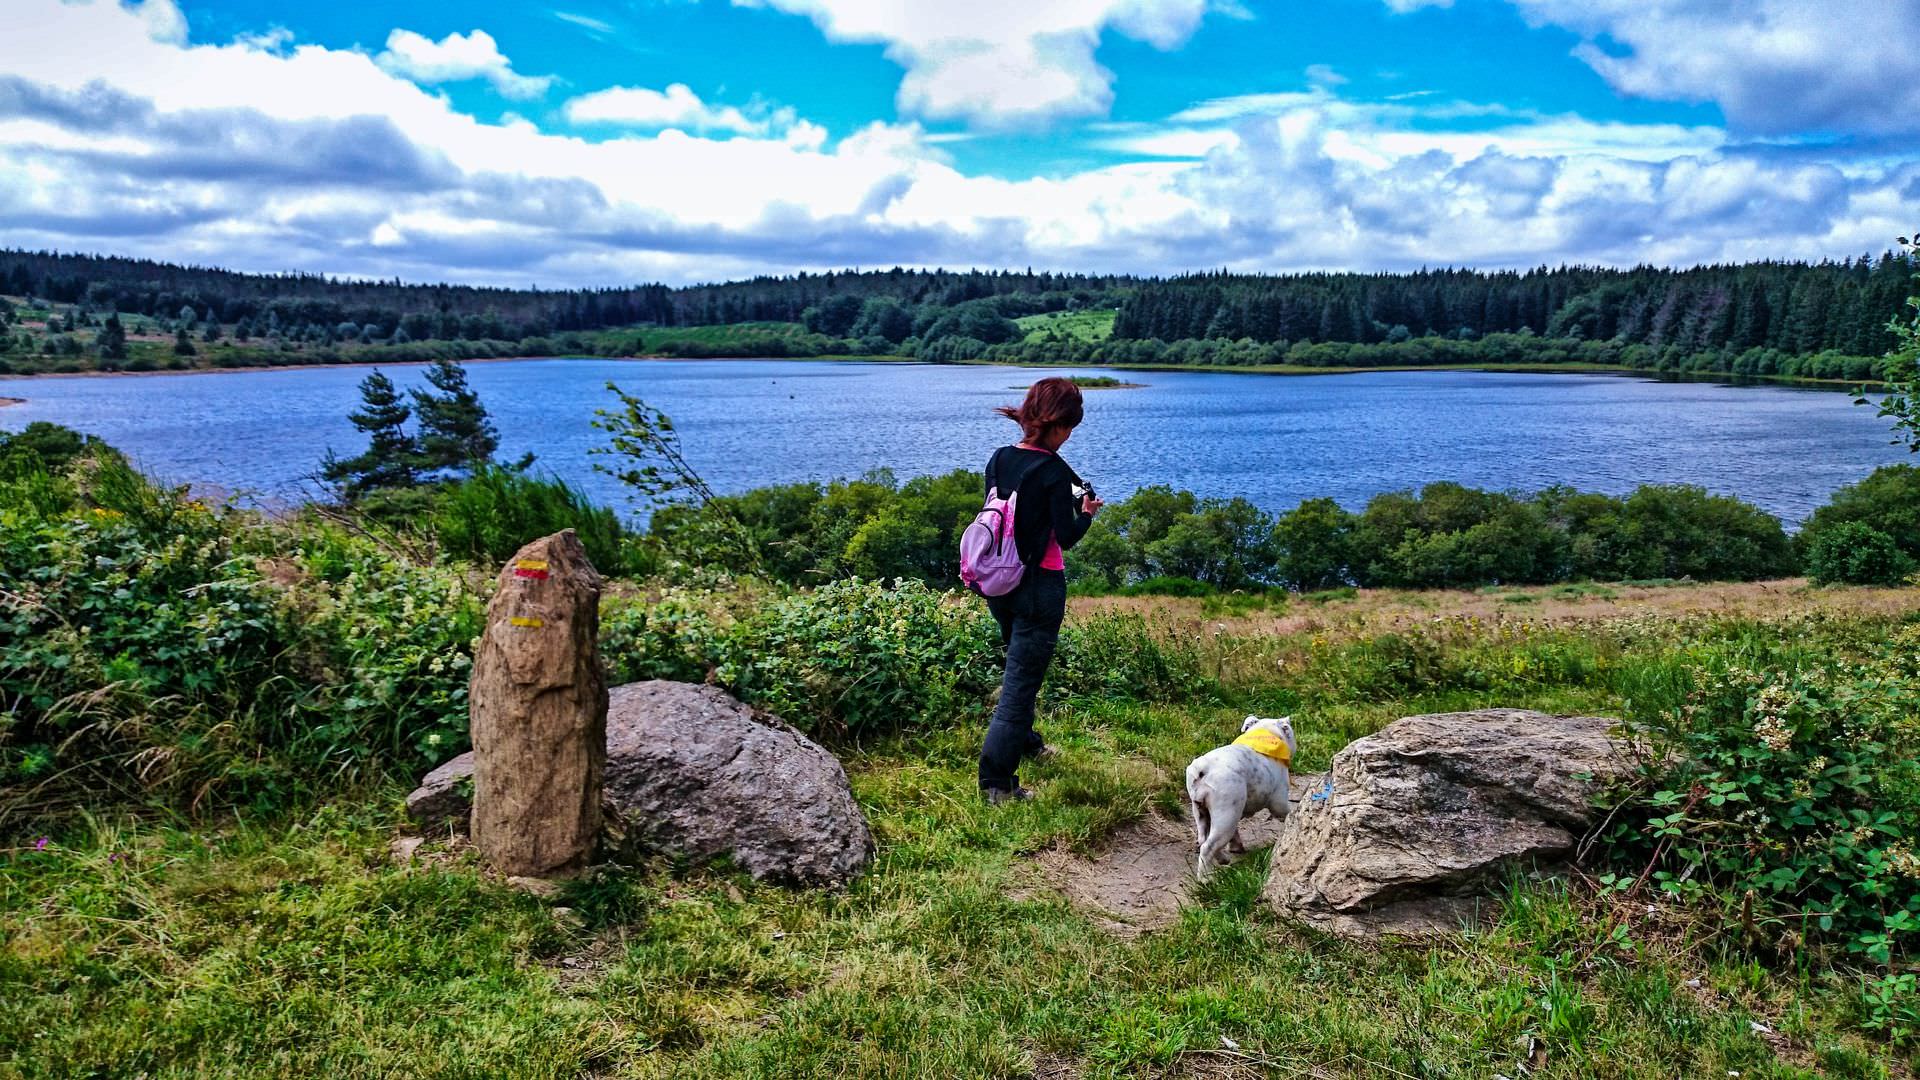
[[697, 773], [445, 796], [538, 701], [1414, 820], [694, 773]]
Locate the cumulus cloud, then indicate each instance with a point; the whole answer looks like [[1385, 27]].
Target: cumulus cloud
[[1773, 66], [117, 136], [999, 63], [455, 58], [675, 107]]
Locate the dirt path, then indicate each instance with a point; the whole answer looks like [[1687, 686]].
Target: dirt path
[[1141, 876]]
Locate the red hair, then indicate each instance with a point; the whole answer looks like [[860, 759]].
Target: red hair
[[1051, 404]]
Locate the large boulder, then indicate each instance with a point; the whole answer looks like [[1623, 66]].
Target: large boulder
[[693, 773], [1414, 822]]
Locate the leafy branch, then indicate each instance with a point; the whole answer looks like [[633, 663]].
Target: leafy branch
[[649, 462], [1902, 402]]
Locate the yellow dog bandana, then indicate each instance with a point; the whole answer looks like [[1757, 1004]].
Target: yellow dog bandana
[[1267, 743]]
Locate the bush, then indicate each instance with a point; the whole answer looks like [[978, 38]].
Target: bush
[[854, 658], [1799, 788], [151, 643], [858, 656], [53, 447], [1888, 500], [1855, 553]]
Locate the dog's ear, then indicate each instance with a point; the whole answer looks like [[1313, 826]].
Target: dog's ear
[[1249, 724]]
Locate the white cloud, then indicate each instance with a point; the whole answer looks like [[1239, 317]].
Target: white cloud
[[999, 63], [113, 138], [455, 58], [675, 107], [1404, 6], [1773, 66], [597, 27], [1324, 75]]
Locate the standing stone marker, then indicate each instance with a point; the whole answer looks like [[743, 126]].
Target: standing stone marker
[[538, 702]]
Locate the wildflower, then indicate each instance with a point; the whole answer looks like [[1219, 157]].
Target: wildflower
[[1772, 733], [1905, 862], [41, 844]]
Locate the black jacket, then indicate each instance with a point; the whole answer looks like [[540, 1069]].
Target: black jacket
[[1047, 503]]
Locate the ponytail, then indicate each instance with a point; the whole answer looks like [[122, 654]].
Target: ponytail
[[1051, 404]]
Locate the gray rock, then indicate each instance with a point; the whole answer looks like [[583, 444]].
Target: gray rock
[[691, 772], [445, 796], [1415, 820], [698, 774]]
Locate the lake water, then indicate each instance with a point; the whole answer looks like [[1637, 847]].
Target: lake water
[[1274, 439]]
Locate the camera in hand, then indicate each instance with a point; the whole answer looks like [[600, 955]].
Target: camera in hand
[[1084, 490]]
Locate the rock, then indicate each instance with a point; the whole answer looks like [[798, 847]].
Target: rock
[[445, 797], [538, 701], [698, 774], [544, 888], [692, 772], [403, 848], [1414, 820]]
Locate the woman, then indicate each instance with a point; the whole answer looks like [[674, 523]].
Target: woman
[[1048, 520]]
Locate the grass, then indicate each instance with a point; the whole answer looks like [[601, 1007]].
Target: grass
[[296, 946], [1089, 324]]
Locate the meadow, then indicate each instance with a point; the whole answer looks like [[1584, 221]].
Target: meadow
[[213, 717]]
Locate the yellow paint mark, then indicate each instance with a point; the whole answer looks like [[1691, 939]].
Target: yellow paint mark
[[529, 623]]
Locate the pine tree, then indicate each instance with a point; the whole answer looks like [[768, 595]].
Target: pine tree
[[183, 343], [455, 430], [389, 460], [113, 339]]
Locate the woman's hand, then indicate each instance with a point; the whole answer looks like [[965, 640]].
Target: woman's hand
[[1090, 505]]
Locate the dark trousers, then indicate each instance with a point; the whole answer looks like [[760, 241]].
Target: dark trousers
[[1029, 619]]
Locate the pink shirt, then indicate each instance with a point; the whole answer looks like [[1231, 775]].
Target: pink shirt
[[1054, 559]]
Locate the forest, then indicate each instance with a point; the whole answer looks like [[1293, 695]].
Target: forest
[[1826, 320]]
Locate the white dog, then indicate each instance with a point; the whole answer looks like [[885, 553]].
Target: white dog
[[1244, 777]]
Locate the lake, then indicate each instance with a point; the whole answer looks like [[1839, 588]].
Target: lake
[[1273, 439]]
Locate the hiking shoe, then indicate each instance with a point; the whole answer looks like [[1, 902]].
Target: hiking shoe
[[996, 796]]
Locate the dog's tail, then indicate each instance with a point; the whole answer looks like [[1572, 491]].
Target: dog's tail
[[1197, 795]]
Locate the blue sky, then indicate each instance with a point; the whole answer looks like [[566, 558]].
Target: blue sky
[[608, 141]]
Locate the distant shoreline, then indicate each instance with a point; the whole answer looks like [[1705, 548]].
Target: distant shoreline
[[1518, 367]]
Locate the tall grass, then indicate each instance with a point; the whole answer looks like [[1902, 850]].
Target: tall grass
[[489, 515]]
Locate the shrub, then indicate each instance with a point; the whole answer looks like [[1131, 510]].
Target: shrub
[[858, 656], [52, 445], [390, 646], [132, 637], [151, 643], [1799, 788], [1887, 500], [1855, 553]]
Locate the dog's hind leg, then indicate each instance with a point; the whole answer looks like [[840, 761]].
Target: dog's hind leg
[[1223, 825]]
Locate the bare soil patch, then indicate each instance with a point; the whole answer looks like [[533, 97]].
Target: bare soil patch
[[1141, 876]]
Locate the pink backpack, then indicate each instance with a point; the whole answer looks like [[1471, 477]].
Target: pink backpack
[[989, 561]]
